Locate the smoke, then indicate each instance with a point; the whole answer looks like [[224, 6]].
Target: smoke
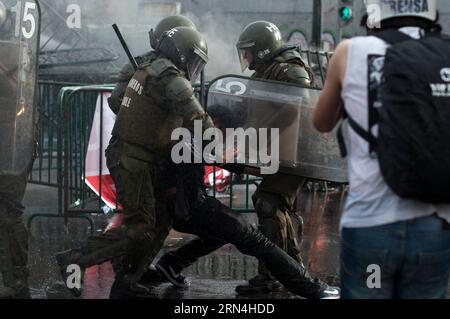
[[221, 33], [220, 29]]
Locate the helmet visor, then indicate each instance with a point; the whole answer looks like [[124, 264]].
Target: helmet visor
[[153, 39], [245, 58], [196, 65]]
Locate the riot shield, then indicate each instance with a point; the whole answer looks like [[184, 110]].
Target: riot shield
[[19, 51], [247, 103]]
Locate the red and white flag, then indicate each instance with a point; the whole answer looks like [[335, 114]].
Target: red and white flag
[[98, 177]]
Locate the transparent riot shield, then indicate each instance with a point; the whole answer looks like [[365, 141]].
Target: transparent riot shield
[[259, 105], [19, 52]]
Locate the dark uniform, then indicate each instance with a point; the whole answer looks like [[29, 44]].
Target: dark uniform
[[275, 197], [163, 225], [13, 237], [115, 101], [18, 78]]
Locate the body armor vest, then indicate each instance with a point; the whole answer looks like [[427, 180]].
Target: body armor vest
[[145, 118]]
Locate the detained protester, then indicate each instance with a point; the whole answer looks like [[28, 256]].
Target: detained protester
[[275, 197], [159, 98], [204, 216], [18, 79], [394, 88]]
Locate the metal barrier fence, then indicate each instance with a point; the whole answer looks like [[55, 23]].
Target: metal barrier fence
[[65, 124], [45, 169], [78, 108]]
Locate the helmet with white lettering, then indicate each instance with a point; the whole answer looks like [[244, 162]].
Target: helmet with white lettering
[[258, 43], [187, 49], [167, 24], [381, 10]]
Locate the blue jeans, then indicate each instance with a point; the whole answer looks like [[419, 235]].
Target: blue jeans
[[413, 259]]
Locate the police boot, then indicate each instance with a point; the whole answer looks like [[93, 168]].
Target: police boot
[[68, 265], [16, 284], [260, 284], [124, 288], [6, 293]]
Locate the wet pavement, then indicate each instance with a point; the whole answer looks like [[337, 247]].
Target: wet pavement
[[212, 277]]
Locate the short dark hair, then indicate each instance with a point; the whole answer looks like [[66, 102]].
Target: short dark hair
[[364, 20]]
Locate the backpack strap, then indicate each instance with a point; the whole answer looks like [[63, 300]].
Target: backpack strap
[[366, 135], [392, 36]]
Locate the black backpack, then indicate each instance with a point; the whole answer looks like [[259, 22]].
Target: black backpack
[[409, 100]]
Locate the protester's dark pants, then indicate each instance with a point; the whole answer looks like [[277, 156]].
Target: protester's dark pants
[[211, 221], [406, 260]]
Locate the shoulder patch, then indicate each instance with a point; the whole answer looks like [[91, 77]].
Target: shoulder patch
[[179, 89]]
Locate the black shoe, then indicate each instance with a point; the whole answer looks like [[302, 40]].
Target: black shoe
[[331, 293], [21, 291], [177, 279], [261, 284], [64, 260], [152, 277], [7, 293], [123, 289]]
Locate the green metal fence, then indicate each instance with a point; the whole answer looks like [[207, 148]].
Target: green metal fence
[[66, 116], [45, 170]]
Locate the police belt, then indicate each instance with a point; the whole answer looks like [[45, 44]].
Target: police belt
[[136, 151]]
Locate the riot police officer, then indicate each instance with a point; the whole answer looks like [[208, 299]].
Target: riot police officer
[[18, 78], [127, 71], [158, 99], [261, 49], [124, 77]]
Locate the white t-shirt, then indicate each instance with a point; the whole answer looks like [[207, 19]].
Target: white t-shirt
[[371, 202]]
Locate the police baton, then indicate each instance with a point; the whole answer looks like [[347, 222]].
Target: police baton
[[125, 47]]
